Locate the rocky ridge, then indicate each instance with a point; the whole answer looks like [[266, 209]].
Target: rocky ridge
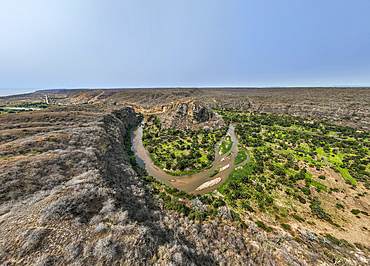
[[82, 203], [190, 114]]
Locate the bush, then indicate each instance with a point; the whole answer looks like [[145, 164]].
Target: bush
[[224, 213], [32, 239], [214, 173], [99, 227], [106, 248], [322, 177], [246, 206], [286, 226], [261, 225], [355, 211], [244, 225], [73, 250], [298, 218], [319, 211], [301, 199], [259, 188]]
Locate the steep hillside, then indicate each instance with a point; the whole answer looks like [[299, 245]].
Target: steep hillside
[[72, 195]]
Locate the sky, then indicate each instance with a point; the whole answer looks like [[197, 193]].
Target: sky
[[171, 43]]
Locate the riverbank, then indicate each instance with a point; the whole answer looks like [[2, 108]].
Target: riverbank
[[190, 182]]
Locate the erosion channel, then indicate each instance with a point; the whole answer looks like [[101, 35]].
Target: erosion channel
[[189, 183]]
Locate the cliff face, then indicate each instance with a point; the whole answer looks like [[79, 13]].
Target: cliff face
[[191, 114], [70, 196], [77, 198]]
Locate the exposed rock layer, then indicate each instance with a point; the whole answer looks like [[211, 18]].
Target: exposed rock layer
[[81, 203]]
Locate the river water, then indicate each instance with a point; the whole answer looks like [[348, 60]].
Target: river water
[[187, 183]]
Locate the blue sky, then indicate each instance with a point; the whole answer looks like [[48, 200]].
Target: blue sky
[[202, 43]]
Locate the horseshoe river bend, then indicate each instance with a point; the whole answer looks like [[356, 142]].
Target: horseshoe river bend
[[198, 183]]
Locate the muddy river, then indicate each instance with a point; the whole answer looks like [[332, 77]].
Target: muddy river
[[189, 183]]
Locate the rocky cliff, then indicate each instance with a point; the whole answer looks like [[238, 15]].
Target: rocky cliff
[[191, 114], [70, 196]]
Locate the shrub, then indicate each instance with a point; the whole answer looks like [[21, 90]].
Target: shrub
[[319, 211], [259, 188], [261, 225], [246, 206], [286, 226], [244, 225], [284, 212], [298, 239], [298, 218], [333, 240], [301, 199], [339, 206], [106, 248], [214, 173], [308, 236], [73, 250], [359, 246], [32, 239], [199, 216], [99, 227], [336, 225], [198, 206], [224, 213], [322, 177], [355, 211]]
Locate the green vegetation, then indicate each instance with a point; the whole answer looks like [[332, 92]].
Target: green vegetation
[[225, 145], [6, 156], [238, 174], [286, 226], [271, 174], [240, 157], [285, 151], [180, 152], [287, 158], [214, 173], [298, 218], [319, 186], [346, 175], [21, 105], [261, 225]]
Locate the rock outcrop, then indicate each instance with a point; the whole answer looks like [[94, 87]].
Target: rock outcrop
[[191, 114]]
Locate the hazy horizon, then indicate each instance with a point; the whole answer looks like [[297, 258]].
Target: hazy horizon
[[25, 90], [73, 44]]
